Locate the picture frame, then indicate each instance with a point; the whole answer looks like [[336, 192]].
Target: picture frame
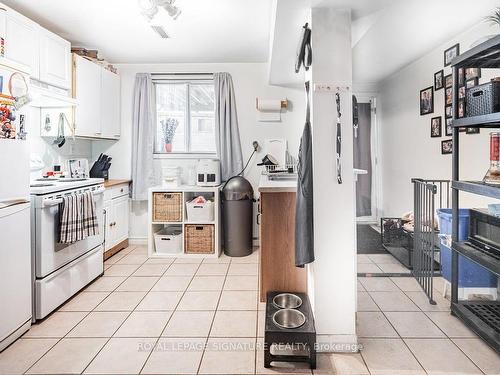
[[472, 131], [436, 127], [461, 92], [447, 147], [448, 96], [461, 108], [471, 73], [461, 77], [448, 81], [472, 82], [439, 80], [426, 100], [448, 111], [448, 131], [450, 53]]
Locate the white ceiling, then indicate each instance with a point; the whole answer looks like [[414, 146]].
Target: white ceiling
[[206, 31], [387, 34]]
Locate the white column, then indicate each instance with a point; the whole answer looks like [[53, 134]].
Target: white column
[[332, 277]]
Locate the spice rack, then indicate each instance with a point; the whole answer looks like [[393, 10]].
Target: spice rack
[[177, 215], [482, 316]]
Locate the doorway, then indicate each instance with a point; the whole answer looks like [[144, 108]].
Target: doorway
[[365, 158]]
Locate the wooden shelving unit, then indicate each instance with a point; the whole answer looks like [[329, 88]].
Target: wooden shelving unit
[[483, 317], [188, 192]]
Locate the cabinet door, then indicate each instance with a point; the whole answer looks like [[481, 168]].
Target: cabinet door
[[87, 91], [22, 41], [121, 213], [55, 59], [110, 104], [108, 225]]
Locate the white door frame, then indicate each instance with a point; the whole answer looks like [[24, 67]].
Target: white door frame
[[376, 170]]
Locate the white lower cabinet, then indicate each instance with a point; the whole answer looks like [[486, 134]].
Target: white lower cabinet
[[116, 208]]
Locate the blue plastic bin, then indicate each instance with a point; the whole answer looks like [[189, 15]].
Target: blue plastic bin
[[470, 274]]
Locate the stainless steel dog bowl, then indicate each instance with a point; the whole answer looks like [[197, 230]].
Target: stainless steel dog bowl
[[287, 301], [289, 318]]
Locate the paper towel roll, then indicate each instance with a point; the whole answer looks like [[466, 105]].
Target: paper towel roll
[[269, 105]]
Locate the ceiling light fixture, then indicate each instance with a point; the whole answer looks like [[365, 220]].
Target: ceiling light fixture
[[149, 8]]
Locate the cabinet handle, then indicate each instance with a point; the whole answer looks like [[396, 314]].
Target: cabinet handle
[[258, 219], [121, 190], [98, 133]]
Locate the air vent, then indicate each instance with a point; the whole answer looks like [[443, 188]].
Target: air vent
[[160, 31]]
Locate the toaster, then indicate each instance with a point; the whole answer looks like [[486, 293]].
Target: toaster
[[208, 172]]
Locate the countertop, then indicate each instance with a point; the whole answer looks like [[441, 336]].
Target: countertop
[[284, 186], [111, 183]]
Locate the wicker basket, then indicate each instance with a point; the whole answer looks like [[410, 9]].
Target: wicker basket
[[199, 239], [167, 207]]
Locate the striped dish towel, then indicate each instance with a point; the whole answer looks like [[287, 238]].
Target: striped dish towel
[[78, 219]]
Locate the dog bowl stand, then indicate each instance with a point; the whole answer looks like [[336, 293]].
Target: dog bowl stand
[[304, 335]]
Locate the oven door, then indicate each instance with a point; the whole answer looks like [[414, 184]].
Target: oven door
[[51, 255]]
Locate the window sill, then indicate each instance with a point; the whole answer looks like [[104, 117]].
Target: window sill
[[184, 156]]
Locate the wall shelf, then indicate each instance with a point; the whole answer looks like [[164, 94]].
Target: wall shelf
[[491, 120]]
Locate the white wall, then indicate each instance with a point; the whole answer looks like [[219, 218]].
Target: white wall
[[407, 150], [250, 81]]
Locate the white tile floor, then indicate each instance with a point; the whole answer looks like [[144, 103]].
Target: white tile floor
[[185, 316]]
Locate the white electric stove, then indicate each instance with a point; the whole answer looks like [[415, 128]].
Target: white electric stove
[[61, 270]]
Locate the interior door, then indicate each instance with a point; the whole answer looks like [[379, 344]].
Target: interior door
[[121, 214], [110, 104], [55, 60], [88, 93], [365, 158]]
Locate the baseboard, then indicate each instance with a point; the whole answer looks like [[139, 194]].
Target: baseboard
[[138, 240], [116, 249], [337, 343]]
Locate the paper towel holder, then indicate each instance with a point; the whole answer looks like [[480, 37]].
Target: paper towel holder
[[284, 103]]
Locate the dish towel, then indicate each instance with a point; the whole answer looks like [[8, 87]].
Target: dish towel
[[78, 219]]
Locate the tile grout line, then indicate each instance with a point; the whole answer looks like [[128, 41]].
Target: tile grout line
[[87, 314], [123, 322]]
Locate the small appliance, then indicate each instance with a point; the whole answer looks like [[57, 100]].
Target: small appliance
[[208, 172]]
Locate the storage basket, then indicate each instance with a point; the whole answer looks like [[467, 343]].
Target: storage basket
[[169, 240], [167, 207], [483, 99], [200, 212], [199, 239]]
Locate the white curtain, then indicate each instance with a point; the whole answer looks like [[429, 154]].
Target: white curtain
[[228, 135], [142, 137]]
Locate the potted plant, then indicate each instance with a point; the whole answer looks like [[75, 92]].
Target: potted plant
[[168, 128], [494, 20]]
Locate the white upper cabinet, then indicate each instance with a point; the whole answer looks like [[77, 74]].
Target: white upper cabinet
[[110, 104], [87, 91], [97, 92], [22, 41], [55, 60]]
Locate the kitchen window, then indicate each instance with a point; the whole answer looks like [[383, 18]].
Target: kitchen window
[[185, 118]]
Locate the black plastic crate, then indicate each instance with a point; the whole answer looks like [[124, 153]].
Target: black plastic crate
[[483, 99]]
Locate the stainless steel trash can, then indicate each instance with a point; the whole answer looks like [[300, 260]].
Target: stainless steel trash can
[[237, 215]]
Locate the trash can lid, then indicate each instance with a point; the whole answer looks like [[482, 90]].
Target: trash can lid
[[237, 188]]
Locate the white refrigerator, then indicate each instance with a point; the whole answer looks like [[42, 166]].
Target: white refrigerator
[[15, 236]]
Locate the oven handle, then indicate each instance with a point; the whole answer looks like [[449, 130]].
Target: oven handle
[[54, 202]]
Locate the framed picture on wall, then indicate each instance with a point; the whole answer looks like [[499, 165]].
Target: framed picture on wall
[[461, 92], [461, 77], [439, 80], [447, 146], [472, 131], [472, 82], [461, 108], [448, 96], [451, 53], [427, 101], [448, 80], [448, 131], [436, 127], [448, 111], [471, 73]]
